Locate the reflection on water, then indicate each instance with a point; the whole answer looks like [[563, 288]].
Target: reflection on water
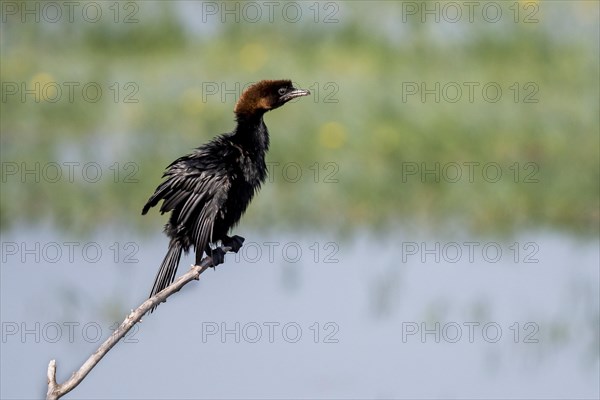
[[312, 316]]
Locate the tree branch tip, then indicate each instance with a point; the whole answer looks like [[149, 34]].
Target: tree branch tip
[[52, 373], [56, 390]]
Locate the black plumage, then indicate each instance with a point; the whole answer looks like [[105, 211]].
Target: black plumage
[[208, 190]]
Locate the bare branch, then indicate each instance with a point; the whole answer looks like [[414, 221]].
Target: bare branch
[[56, 391]]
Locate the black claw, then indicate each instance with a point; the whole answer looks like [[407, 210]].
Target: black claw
[[235, 243], [217, 256]]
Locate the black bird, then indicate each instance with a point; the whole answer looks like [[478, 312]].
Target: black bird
[[208, 190]]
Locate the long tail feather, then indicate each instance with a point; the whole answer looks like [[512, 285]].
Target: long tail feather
[[168, 268]]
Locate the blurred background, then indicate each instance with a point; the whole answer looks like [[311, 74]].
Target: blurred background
[[429, 228]]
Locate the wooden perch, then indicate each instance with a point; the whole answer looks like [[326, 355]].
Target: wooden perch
[[56, 390]]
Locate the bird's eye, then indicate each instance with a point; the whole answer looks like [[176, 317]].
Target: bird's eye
[[282, 91]]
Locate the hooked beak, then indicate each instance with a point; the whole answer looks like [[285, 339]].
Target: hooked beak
[[295, 93]]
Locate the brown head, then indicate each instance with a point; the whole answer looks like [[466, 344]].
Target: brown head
[[267, 95]]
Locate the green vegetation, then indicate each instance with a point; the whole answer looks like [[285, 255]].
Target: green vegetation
[[368, 138]]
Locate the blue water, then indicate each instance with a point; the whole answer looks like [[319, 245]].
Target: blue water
[[312, 316]]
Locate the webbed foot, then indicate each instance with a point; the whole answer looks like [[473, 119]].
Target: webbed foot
[[235, 242], [218, 256]]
